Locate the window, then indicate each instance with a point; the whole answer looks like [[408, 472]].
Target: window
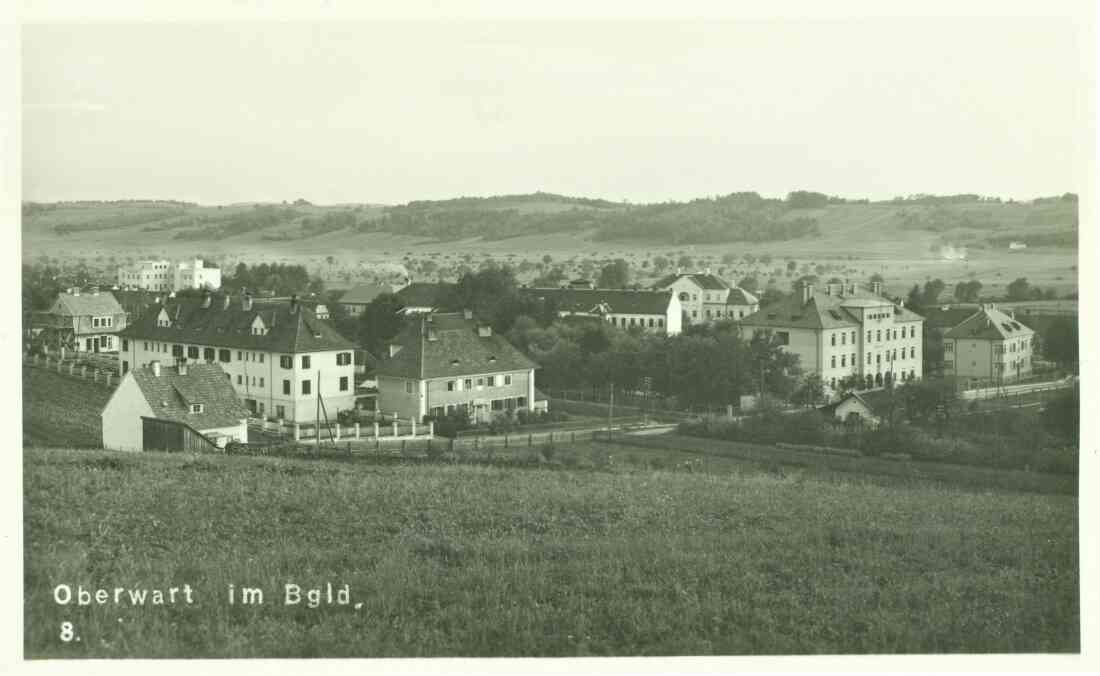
[[843, 360], [492, 381], [286, 361], [125, 345], [95, 322], [878, 358], [280, 411], [832, 383], [480, 382], [208, 353], [844, 339], [660, 321], [832, 362], [467, 384], [408, 387], [177, 350], [196, 408], [261, 381], [224, 356], [450, 386], [832, 340], [949, 347], [145, 345], [913, 352], [343, 358], [343, 383], [240, 379], [521, 402], [651, 322], [261, 357], [878, 336], [305, 361], [783, 337], [507, 380], [868, 336], [498, 405], [307, 387], [240, 355], [286, 387]]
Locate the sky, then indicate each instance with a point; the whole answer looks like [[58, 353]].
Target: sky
[[392, 111]]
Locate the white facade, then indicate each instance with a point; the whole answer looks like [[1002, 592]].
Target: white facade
[[151, 275], [268, 383], [122, 430], [192, 275]]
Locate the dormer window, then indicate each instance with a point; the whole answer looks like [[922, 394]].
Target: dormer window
[[258, 327], [196, 408]]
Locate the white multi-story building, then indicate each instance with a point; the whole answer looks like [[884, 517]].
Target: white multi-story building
[[845, 333], [705, 297], [152, 275], [194, 274], [989, 345], [161, 275], [648, 310], [281, 359]]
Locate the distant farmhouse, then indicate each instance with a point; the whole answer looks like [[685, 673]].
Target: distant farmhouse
[[184, 407], [80, 322], [442, 363], [845, 332], [860, 408], [161, 275], [705, 297], [356, 299], [989, 345], [282, 360], [652, 311], [422, 297]]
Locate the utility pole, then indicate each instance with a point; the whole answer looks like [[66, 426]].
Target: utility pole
[[317, 425], [610, 409]]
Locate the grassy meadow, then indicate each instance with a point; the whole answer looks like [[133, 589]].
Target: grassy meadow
[[62, 410], [474, 560]]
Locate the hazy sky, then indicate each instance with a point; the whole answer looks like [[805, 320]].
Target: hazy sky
[[645, 111]]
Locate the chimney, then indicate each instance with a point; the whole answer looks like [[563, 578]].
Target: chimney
[[876, 288], [246, 302], [468, 313], [807, 292], [155, 364]]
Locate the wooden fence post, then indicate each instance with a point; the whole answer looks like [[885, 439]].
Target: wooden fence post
[[395, 428], [375, 430], [357, 431], [431, 429], [337, 437], [297, 432], [412, 421]]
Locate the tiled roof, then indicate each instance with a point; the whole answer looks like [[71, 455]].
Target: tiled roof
[[704, 280], [823, 311], [739, 296], [364, 293], [617, 301], [441, 345], [290, 329], [876, 401], [989, 323], [102, 303], [424, 294], [170, 395]]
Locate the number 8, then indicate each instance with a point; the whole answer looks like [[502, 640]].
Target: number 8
[[66, 631]]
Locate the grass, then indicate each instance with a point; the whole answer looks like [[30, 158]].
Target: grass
[[468, 560], [62, 410]]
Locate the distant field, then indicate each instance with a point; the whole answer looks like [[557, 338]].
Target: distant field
[[59, 410], [480, 561]]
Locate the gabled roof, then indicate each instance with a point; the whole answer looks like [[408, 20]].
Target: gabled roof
[[291, 329], [822, 311], [703, 280], [739, 296], [989, 323], [170, 395], [73, 305], [442, 345], [424, 294], [614, 301], [365, 293]]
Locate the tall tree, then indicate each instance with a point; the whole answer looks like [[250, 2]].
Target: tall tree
[[381, 320], [615, 275]]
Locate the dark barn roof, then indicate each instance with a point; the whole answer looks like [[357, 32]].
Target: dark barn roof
[[822, 311], [170, 395], [424, 294], [617, 301]]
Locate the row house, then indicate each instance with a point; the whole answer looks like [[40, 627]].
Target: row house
[[651, 311], [448, 362], [845, 333], [81, 322], [282, 360], [706, 298], [989, 345]]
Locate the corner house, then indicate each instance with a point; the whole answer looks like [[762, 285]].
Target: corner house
[[280, 358], [186, 407], [442, 363]]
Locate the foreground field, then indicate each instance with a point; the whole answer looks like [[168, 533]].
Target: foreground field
[[468, 560], [61, 410]]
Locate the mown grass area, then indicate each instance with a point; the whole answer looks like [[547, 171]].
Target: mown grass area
[[470, 560], [61, 410]]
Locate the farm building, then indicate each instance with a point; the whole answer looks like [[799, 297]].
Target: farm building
[[863, 408], [185, 407], [420, 297], [357, 298]]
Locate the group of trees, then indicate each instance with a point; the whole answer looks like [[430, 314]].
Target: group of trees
[[276, 278]]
